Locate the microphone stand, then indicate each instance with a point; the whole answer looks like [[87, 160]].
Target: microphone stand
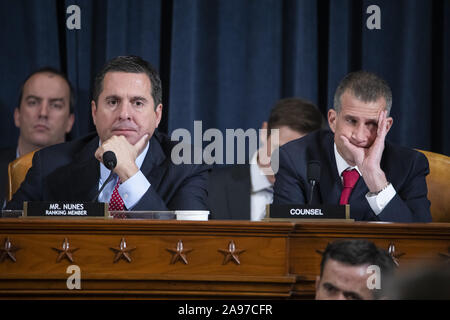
[[313, 184], [110, 162], [103, 186]]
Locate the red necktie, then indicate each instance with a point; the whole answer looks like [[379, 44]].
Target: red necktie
[[350, 179], [116, 201]]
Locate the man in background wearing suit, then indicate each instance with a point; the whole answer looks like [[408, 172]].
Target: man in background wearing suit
[[126, 109], [241, 192], [380, 181], [44, 115]]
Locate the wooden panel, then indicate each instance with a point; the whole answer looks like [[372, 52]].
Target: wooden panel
[[263, 268], [412, 242], [280, 258]]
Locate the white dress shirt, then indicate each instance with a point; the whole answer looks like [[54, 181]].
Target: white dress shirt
[[377, 202], [131, 190], [261, 192]]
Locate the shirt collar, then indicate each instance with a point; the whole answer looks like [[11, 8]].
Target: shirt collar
[[258, 179], [104, 172], [341, 164]]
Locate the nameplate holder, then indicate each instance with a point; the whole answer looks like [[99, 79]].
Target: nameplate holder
[[308, 212], [61, 209]]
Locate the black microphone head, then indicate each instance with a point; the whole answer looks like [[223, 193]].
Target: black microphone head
[[109, 160], [313, 170]]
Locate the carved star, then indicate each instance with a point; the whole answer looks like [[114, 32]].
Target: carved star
[[122, 251], [394, 255], [179, 253], [65, 251], [8, 251], [232, 254]]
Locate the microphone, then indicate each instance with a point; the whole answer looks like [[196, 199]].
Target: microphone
[[313, 173], [110, 162]]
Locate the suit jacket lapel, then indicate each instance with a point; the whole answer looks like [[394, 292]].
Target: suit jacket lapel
[[238, 193], [330, 183], [359, 204], [359, 191], [155, 163], [78, 179], [85, 172]]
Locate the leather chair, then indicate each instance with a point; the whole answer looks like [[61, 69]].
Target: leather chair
[[438, 182], [17, 170]]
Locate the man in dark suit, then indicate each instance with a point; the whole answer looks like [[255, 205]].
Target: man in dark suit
[[126, 110], [380, 181], [44, 115], [241, 192]]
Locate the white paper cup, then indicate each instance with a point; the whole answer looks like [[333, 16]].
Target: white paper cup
[[196, 215]]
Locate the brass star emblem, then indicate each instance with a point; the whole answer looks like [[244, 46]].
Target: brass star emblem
[[232, 254], [65, 251], [179, 253], [8, 251], [394, 255], [122, 251]]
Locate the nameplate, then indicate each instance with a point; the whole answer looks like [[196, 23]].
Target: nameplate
[[304, 211], [64, 209]]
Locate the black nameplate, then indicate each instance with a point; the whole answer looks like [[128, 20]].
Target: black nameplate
[[64, 209], [304, 211]]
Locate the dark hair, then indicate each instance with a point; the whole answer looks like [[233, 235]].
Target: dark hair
[[55, 72], [365, 86], [129, 64], [360, 252], [297, 114]]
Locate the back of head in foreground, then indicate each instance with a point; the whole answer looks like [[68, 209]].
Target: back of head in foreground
[[353, 270]]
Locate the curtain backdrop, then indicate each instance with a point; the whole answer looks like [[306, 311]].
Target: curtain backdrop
[[226, 62]]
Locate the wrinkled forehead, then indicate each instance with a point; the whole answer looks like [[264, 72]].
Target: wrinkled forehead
[[353, 106]]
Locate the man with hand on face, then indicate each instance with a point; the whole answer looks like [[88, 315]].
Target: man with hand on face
[[126, 110], [380, 181], [44, 115]]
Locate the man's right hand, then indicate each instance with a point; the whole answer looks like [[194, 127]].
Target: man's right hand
[[125, 152]]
